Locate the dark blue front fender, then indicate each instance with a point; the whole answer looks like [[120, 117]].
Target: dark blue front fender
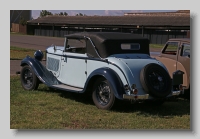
[[111, 76], [40, 71]]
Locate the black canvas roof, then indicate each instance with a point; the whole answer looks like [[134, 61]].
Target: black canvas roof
[[108, 43]]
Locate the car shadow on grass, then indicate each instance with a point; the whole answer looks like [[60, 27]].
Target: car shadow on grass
[[178, 107], [169, 109], [84, 98]]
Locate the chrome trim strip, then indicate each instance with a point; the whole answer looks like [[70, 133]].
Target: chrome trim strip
[[176, 93], [94, 47]]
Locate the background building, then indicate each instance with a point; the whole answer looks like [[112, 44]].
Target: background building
[[158, 27]]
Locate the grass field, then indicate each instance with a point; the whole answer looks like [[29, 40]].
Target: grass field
[[52, 109], [159, 46], [20, 53]]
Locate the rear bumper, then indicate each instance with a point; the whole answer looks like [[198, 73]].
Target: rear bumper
[[136, 97], [176, 93], [146, 96]]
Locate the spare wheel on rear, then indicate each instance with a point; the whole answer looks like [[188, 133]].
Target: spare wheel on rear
[[155, 80]]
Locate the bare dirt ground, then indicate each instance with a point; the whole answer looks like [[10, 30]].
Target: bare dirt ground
[[34, 42], [15, 66]]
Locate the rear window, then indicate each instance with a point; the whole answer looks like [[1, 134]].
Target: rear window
[[130, 46]]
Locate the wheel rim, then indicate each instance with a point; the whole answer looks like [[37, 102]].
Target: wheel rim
[[103, 93], [27, 78], [157, 80]]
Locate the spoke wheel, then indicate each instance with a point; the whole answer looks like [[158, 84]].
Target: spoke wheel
[[29, 80], [103, 96], [156, 81]]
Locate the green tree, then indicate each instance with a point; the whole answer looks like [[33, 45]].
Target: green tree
[[80, 14], [61, 13], [65, 13], [45, 13], [22, 21]]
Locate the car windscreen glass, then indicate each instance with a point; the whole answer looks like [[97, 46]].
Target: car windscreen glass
[[186, 50], [77, 43], [171, 48], [76, 46]]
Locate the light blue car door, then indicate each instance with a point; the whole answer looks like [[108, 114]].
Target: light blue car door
[[73, 69]]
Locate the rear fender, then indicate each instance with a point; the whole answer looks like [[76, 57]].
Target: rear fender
[[111, 76]]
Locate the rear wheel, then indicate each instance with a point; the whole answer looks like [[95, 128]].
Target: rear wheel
[[29, 80], [103, 96], [155, 80]]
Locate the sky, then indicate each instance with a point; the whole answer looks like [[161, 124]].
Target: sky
[[36, 13]]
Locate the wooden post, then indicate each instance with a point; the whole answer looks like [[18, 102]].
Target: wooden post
[[68, 29], [40, 30], [142, 31], [188, 34], [53, 29], [168, 33]]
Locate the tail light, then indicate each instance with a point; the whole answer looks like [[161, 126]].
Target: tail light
[[135, 91], [181, 87]]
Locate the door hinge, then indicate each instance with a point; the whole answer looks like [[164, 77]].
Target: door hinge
[[85, 72], [85, 61]]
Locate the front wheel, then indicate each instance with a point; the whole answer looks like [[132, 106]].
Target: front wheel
[[29, 80], [103, 96]]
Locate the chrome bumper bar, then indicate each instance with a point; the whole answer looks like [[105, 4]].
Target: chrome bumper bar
[[146, 96], [176, 93]]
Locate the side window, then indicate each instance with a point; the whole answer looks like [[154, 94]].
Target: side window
[[186, 50], [171, 48], [76, 46]]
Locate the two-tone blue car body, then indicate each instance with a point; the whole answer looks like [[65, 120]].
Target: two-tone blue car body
[[110, 66]]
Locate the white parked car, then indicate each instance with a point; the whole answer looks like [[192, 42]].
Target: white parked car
[[110, 66]]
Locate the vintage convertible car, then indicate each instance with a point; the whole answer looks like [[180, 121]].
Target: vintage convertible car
[[109, 66]]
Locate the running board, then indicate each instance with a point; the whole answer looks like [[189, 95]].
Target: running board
[[67, 87]]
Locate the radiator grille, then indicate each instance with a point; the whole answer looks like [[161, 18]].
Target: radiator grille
[[53, 64]]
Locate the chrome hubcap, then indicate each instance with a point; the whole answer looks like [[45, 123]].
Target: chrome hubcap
[[28, 78], [157, 81], [103, 93]]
